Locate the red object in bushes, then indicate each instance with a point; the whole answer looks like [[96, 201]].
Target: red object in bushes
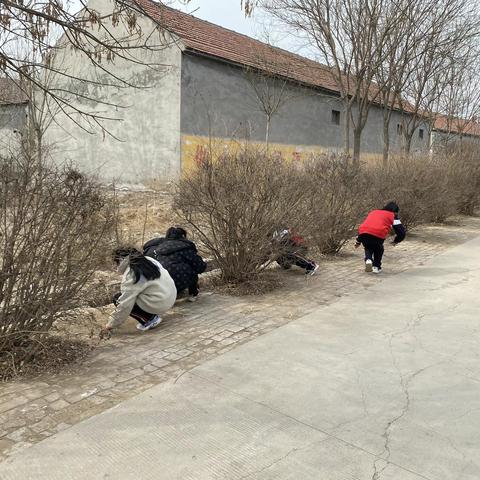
[[295, 238]]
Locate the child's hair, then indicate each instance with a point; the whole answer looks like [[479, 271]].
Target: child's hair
[[391, 207], [138, 263], [176, 233]]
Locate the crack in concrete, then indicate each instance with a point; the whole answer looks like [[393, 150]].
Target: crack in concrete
[[275, 462], [366, 412], [405, 384]]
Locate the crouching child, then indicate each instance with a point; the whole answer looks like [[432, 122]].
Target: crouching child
[[293, 251], [373, 232], [147, 290], [179, 256]]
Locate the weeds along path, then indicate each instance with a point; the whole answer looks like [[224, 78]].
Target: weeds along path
[[33, 409]]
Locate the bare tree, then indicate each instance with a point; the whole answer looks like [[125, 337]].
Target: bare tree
[[270, 95], [460, 103], [392, 52], [350, 37], [446, 39], [249, 5], [270, 90], [394, 71], [35, 32]]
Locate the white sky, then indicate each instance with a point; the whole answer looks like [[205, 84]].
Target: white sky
[[226, 13]]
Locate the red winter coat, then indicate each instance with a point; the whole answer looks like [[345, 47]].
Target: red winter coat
[[378, 223]]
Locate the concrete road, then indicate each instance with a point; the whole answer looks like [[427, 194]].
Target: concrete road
[[380, 386]]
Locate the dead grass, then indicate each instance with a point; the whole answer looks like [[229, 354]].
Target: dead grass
[[72, 338], [259, 284], [56, 354], [143, 216]]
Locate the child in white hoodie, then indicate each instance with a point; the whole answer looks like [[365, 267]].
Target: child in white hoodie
[[147, 290]]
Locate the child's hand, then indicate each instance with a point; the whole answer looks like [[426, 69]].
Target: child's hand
[[357, 244]]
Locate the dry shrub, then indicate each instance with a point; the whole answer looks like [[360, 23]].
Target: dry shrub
[[418, 184], [54, 229], [269, 281], [335, 201], [234, 202], [464, 176]]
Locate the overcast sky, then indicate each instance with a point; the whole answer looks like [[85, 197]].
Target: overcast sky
[[228, 14]]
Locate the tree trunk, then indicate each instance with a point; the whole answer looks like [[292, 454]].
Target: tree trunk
[[39, 146], [267, 132], [386, 142], [407, 147], [357, 138], [347, 131]]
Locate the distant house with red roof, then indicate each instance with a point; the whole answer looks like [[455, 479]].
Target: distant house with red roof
[[450, 129], [209, 94]]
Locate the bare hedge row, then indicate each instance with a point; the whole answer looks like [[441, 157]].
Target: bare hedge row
[[55, 225], [234, 201]]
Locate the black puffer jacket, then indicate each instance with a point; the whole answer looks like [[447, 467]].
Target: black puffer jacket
[[179, 257]]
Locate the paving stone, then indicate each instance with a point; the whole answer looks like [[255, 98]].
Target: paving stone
[[61, 426], [150, 368], [59, 405], [48, 423], [14, 402], [52, 397], [19, 435], [160, 363]]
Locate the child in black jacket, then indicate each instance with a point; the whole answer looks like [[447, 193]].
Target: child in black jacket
[[180, 258]]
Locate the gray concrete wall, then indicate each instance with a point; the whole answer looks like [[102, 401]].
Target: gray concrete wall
[[442, 140], [142, 143], [13, 119], [218, 99]]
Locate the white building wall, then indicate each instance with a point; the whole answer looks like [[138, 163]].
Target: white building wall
[[141, 143]]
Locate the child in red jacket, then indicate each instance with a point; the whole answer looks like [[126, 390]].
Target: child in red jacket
[[373, 232]]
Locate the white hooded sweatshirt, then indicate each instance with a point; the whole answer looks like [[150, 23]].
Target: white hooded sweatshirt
[[154, 296]]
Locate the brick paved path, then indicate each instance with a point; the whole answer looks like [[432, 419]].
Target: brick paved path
[[131, 362]]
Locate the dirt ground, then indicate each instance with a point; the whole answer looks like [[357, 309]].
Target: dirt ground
[[145, 215]]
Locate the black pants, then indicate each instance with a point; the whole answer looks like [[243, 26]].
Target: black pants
[[193, 288], [373, 248], [297, 258], [141, 316]]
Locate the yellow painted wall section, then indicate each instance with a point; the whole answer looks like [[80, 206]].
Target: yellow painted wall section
[[195, 149]]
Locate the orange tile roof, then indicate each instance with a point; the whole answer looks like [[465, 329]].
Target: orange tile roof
[[456, 125], [210, 39]]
